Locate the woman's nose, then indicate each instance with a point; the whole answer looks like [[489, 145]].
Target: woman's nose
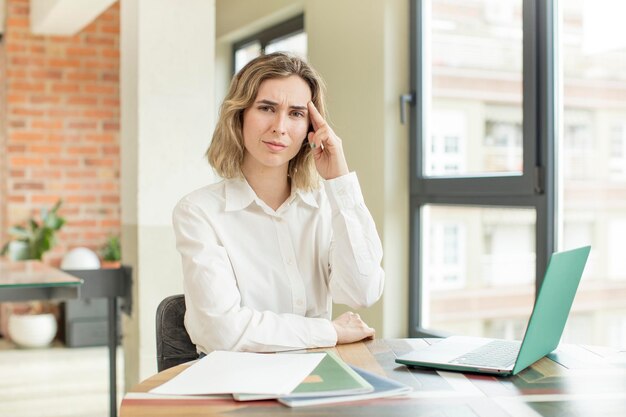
[[279, 125]]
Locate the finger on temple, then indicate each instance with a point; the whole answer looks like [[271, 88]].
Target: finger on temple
[[316, 118]]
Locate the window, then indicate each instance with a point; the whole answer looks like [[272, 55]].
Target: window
[[518, 149], [288, 36], [478, 163]]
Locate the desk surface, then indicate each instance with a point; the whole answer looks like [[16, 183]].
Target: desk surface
[[574, 381], [34, 280], [33, 273]]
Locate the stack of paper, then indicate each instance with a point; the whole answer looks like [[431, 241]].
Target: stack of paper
[[294, 379], [382, 387], [223, 372], [331, 377]]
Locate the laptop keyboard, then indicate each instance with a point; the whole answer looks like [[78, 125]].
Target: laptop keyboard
[[495, 354]]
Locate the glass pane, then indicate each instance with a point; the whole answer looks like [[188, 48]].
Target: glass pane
[[474, 117], [246, 54], [479, 270], [295, 43], [593, 160]]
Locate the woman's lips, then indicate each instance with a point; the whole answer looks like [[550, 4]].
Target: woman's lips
[[275, 146]]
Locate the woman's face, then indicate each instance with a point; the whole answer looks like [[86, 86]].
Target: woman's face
[[276, 124]]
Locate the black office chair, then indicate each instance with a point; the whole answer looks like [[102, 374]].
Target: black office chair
[[173, 343]]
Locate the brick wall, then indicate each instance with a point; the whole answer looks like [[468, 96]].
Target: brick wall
[[61, 128]]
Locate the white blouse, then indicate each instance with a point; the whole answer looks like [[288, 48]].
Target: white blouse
[[261, 280]]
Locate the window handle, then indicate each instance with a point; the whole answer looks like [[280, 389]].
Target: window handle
[[407, 98]]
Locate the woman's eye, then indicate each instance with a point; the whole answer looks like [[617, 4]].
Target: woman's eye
[[298, 114], [266, 108]]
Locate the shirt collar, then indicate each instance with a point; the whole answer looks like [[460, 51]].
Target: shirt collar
[[239, 195]]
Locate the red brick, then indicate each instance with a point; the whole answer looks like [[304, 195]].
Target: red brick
[[110, 76], [17, 173], [110, 223], [15, 22], [28, 186], [80, 51], [114, 126], [18, 161], [101, 138], [81, 199], [102, 162], [31, 87], [63, 162], [65, 88], [81, 76], [27, 61], [82, 124], [14, 98], [82, 100], [80, 173], [100, 89], [24, 111], [16, 198], [14, 149], [82, 150], [14, 73], [111, 150], [99, 114], [64, 63], [26, 136], [45, 149], [40, 199], [46, 173], [17, 123], [45, 99], [47, 124]]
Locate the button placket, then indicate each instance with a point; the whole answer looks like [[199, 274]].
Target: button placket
[[298, 295]]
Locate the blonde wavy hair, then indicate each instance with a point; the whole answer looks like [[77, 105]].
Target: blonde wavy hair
[[226, 151]]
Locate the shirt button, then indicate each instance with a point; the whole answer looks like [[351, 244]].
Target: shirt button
[[289, 261], [299, 302]]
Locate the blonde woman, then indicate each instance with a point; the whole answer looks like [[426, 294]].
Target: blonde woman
[[286, 232]]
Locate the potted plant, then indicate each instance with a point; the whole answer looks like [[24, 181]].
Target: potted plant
[[33, 324], [36, 238], [111, 253]]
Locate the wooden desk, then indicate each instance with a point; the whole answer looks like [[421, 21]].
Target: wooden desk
[[585, 382]]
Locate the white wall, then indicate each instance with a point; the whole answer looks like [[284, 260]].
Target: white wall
[[167, 80]]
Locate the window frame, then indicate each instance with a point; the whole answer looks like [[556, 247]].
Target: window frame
[[535, 188], [281, 30]]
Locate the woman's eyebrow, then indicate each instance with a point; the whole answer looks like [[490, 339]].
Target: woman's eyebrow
[[273, 103]]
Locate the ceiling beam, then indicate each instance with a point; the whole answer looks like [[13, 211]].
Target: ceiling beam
[[64, 17]]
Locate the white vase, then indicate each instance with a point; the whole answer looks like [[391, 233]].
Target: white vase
[[32, 330]]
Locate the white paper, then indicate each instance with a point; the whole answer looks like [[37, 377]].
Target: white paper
[[223, 372]]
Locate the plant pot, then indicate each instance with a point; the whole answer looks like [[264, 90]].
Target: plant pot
[[32, 330], [18, 250]]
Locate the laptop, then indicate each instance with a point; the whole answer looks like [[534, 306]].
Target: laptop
[[506, 357]]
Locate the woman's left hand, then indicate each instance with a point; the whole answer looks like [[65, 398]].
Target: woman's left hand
[[327, 151]]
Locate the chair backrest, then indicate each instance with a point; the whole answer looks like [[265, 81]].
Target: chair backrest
[[173, 343]]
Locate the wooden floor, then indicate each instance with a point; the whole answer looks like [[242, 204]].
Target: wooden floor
[[56, 381]]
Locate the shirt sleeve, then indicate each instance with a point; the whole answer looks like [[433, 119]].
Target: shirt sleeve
[[215, 318], [356, 276]]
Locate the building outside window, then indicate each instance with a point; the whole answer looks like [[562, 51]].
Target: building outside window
[[481, 194]]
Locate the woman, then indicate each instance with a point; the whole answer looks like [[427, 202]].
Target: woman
[[267, 250]]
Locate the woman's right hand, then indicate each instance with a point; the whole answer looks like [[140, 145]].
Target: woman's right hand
[[350, 328]]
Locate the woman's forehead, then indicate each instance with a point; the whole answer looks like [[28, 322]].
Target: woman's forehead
[[292, 90]]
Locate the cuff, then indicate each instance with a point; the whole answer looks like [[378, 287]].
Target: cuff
[[344, 192], [322, 333]]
